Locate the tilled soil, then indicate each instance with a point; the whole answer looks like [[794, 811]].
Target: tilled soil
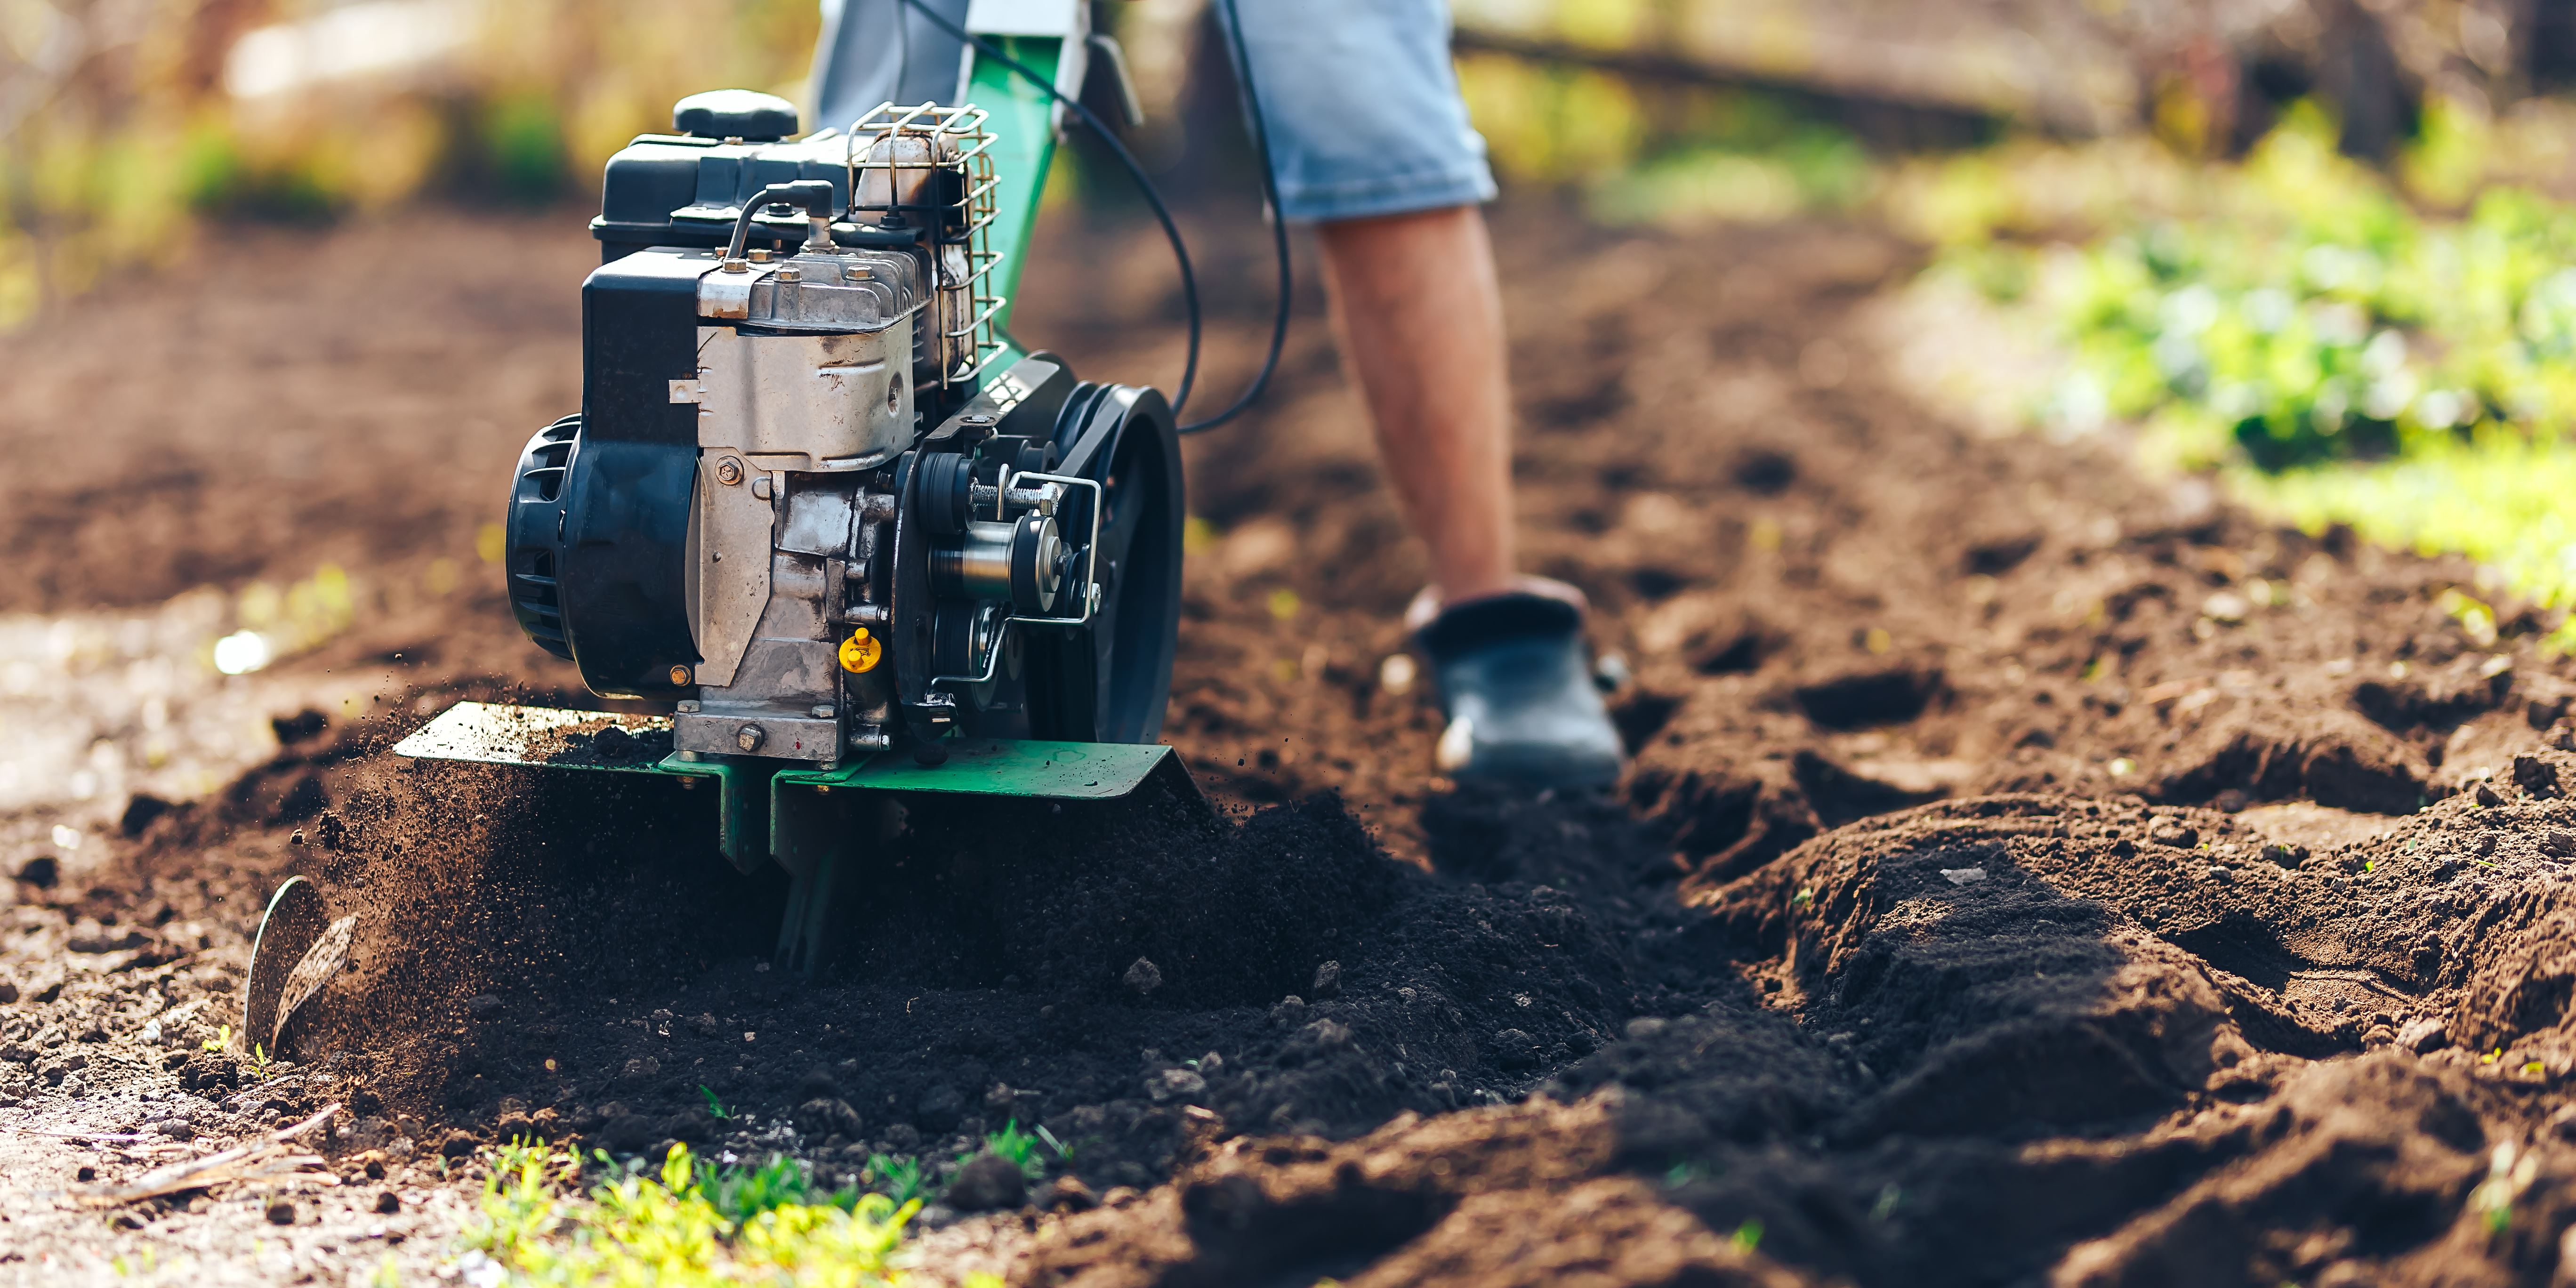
[[2030, 872]]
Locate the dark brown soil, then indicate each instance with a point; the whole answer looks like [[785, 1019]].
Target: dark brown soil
[[2030, 872]]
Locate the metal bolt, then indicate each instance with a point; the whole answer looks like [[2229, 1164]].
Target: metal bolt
[[791, 273], [688, 705], [728, 471], [748, 737], [759, 254], [679, 674]]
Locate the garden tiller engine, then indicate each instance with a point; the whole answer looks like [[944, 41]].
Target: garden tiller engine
[[821, 503]]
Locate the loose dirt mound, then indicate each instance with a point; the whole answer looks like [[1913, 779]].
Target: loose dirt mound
[[2028, 872]]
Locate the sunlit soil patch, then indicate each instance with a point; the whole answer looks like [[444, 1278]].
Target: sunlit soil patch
[[101, 710]]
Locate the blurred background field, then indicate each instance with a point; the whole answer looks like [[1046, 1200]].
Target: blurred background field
[[2319, 247]]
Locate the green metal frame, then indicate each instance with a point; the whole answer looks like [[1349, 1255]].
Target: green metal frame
[[1021, 118]]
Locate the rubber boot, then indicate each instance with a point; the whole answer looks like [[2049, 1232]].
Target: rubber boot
[[1513, 679]]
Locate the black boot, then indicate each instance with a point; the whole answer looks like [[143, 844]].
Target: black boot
[[1517, 689]]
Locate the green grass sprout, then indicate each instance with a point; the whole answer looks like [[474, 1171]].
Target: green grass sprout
[[897, 1177], [692, 1222], [715, 1107], [1018, 1146]]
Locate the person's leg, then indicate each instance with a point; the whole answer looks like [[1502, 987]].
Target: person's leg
[[1420, 316], [1370, 141]]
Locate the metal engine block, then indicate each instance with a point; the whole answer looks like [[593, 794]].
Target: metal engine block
[[816, 498]]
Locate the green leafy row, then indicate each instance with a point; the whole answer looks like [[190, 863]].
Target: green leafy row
[[2343, 349]]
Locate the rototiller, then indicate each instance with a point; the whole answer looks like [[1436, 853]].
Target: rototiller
[[820, 501]]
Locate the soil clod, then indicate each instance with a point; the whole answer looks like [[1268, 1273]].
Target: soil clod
[[987, 1182]]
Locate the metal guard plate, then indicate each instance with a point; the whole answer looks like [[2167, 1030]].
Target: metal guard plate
[[494, 734], [1070, 771]]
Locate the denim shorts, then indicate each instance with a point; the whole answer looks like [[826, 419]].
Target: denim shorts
[[1361, 105], [1358, 96]]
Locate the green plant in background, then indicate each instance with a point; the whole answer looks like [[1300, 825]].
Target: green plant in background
[[1022, 1148], [692, 1223], [109, 154], [897, 1178], [739, 1193], [2342, 351], [1675, 155], [522, 138]]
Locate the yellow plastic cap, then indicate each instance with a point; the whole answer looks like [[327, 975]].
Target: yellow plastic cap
[[861, 652]]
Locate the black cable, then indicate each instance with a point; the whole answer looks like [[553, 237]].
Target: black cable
[[1163, 214], [1278, 226]]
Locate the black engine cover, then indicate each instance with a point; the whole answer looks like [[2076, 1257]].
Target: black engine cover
[[619, 514]]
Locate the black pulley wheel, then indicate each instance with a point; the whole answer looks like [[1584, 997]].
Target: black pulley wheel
[[533, 553], [1109, 681]]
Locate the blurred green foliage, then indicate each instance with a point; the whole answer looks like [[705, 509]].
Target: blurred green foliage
[[2395, 351], [119, 129], [542, 1221], [1673, 155]]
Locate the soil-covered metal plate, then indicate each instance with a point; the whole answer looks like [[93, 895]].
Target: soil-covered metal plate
[[495, 734]]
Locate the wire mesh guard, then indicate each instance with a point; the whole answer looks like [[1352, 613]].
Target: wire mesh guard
[[933, 166]]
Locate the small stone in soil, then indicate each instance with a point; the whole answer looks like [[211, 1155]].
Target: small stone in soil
[[457, 1145], [1143, 977], [988, 1182], [281, 1212], [388, 1203], [1328, 980], [1175, 1084], [2423, 1035], [2536, 776], [2487, 797], [1071, 1195], [2173, 834]]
